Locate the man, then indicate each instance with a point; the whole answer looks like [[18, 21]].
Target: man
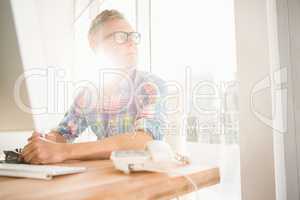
[[118, 122]]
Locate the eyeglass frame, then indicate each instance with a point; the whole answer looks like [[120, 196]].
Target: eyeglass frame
[[127, 36]]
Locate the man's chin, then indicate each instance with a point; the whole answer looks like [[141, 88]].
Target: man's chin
[[131, 60], [129, 65]]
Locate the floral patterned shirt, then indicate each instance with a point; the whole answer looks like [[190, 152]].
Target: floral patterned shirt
[[139, 106]]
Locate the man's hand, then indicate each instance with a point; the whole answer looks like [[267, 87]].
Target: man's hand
[[53, 136], [43, 151]]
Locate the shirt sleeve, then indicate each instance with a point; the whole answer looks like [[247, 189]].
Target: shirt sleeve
[[150, 109], [74, 121]]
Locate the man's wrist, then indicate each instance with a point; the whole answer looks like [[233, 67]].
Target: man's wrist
[[66, 151], [56, 137]]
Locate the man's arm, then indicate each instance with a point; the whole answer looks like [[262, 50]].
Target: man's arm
[[43, 151], [102, 149]]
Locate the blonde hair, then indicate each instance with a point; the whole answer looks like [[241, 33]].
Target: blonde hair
[[99, 20]]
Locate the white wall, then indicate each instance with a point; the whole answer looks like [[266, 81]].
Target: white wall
[[256, 137], [278, 78], [289, 43]]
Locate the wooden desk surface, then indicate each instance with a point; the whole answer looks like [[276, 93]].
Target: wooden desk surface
[[103, 181]]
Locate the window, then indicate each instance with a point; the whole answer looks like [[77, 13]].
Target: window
[[193, 49]]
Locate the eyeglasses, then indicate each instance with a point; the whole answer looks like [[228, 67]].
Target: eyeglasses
[[122, 37]]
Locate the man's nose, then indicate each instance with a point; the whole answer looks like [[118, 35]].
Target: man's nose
[[130, 42]]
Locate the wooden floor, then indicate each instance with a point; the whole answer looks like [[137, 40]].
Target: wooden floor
[[103, 181]]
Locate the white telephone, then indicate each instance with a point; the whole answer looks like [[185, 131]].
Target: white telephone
[[157, 157]]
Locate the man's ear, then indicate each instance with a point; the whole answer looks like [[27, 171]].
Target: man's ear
[[92, 43]]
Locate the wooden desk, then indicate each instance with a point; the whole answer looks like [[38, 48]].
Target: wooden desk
[[103, 181]]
